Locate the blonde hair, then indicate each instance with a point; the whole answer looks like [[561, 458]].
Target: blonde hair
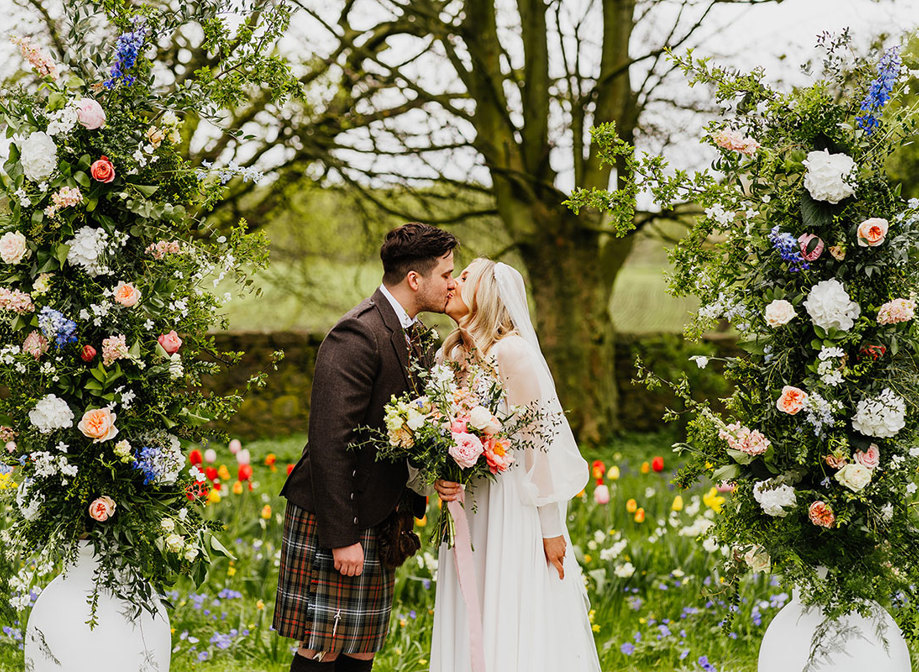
[[487, 321]]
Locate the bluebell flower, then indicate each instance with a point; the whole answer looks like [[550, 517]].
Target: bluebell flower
[[127, 49], [879, 92]]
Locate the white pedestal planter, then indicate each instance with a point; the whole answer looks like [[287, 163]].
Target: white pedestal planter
[[853, 646], [59, 640]]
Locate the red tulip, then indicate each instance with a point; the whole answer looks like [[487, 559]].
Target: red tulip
[[211, 473], [657, 464], [196, 490], [87, 353], [290, 468], [597, 470], [194, 457], [245, 472]]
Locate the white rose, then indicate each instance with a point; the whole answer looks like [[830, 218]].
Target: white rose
[[481, 419], [774, 500], [854, 476], [51, 413], [38, 157], [175, 543], [779, 312], [13, 248], [829, 306], [826, 176], [757, 559], [167, 524]]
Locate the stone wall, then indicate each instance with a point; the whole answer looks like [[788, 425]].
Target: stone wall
[[282, 406]]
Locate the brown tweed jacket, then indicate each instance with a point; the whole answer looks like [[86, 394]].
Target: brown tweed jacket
[[360, 365]]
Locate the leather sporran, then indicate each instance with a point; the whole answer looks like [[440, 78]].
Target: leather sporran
[[397, 539]]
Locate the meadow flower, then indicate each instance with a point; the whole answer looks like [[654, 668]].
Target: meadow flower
[[879, 91]]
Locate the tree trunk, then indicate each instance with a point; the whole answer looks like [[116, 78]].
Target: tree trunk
[[571, 279]]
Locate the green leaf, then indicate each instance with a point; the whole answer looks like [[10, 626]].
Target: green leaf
[[85, 162], [146, 189], [726, 473], [93, 386], [219, 548], [815, 215], [37, 217], [61, 251], [82, 179], [740, 457]]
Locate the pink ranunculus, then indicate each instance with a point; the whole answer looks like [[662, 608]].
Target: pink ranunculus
[[459, 425], [102, 508], [127, 294], [170, 342], [601, 494], [90, 114], [804, 241], [870, 458], [466, 449], [791, 400], [35, 344], [821, 514]]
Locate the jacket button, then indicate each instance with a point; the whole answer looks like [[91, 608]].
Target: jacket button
[[352, 495], [355, 520], [354, 473]]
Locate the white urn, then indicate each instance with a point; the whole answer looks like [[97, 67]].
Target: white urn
[[58, 638]]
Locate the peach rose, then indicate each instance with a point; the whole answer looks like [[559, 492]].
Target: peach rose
[[872, 232], [102, 170], [102, 508], [498, 454], [127, 294], [821, 514], [90, 114], [870, 458], [98, 425], [791, 400], [170, 342], [466, 450]]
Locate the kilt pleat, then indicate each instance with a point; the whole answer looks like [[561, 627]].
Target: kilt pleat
[[317, 605]]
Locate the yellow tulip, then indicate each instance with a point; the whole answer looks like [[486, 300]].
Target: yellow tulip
[[266, 512], [613, 474], [237, 488], [213, 497], [677, 503], [223, 472], [645, 468], [631, 506], [640, 516]]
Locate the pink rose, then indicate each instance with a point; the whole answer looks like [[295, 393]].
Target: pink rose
[[872, 232], [805, 241], [35, 344], [836, 460], [102, 508], [870, 458], [466, 449], [170, 342], [98, 425], [458, 426], [102, 170], [127, 294], [791, 400], [90, 114], [601, 494], [821, 514]]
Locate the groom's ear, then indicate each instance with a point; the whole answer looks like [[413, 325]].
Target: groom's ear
[[413, 280]]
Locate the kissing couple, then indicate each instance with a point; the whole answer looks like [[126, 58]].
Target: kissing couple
[[349, 517]]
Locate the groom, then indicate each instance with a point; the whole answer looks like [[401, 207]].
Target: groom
[[334, 594]]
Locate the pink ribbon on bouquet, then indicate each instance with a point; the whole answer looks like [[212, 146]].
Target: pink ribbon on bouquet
[[465, 572]]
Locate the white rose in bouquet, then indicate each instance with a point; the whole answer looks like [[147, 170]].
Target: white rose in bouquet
[[757, 559], [51, 413], [481, 419], [829, 306], [854, 476], [881, 417], [826, 176], [779, 312], [13, 247], [775, 499], [38, 156]]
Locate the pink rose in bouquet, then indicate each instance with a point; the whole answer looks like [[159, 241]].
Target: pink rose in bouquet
[[90, 114], [466, 449], [102, 508], [870, 458], [170, 342]]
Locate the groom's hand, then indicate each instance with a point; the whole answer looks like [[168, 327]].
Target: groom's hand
[[448, 490], [349, 560]]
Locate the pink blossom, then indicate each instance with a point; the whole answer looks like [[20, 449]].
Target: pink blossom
[[466, 449], [821, 514], [896, 311], [170, 342], [498, 454], [37, 56], [90, 114], [870, 458], [161, 248], [735, 141], [601, 494], [458, 426], [113, 348], [102, 509], [804, 241], [235, 446], [35, 344], [744, 440], [18, 302], [7, 433]]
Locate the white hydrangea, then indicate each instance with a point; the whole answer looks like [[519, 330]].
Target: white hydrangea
[[775, 500], [827, 176], [51, 413], [86, 249], [830, 306], [38, 157], [881, 417]]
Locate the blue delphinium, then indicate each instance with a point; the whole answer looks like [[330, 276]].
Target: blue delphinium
[[56, 327], [146, 462], [789, 249], [880, 90], [127, 48]]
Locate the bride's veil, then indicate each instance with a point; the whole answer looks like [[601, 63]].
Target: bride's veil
[[557, 471]]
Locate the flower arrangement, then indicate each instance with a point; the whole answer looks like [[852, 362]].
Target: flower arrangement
[[455, 431], [107, 263], [807, 250]]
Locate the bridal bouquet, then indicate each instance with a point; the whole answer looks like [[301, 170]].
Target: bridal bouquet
[[453, 431], [106, 261], [805, 246]]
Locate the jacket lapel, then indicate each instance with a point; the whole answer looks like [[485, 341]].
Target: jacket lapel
[[397, 335]]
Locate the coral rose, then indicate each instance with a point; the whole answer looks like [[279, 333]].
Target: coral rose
[[791, 400], [102, 170], [127, 294], [171, 344], [872, 232], [498, 455], [102, 508], [98, 425], [821, 514]]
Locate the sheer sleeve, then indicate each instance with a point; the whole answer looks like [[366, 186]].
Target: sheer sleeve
[[554, 470]]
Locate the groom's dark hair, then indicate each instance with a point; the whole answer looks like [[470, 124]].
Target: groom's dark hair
[[413, 247]]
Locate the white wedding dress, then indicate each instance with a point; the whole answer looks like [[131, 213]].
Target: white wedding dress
[[532, 620]]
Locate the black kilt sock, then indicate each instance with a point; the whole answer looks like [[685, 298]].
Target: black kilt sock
[[302, 664], [346, 663]]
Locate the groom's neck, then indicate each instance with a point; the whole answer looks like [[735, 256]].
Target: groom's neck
[[405, 296]]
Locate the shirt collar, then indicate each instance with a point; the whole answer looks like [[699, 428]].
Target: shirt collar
[[404, 319]]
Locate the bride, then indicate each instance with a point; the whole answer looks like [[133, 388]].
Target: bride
[[534, 608]]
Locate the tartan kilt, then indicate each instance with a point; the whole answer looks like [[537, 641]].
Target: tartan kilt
[[319, 606]]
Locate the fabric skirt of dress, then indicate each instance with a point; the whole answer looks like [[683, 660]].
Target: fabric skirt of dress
[[532, 620]]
